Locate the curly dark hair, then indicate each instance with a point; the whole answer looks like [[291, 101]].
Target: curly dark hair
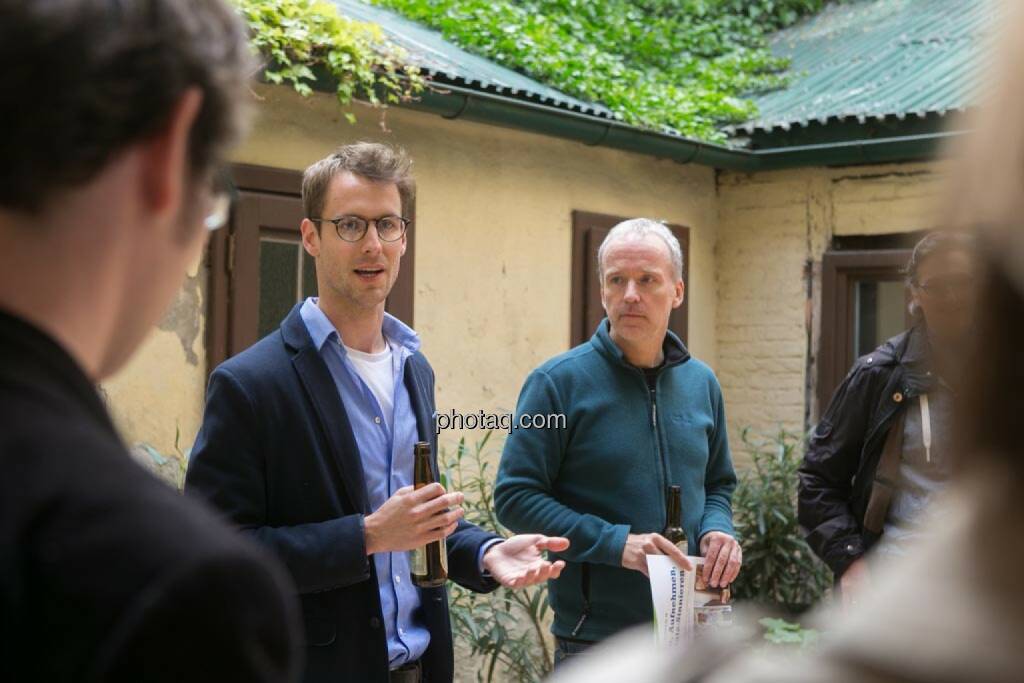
[[84, 79]]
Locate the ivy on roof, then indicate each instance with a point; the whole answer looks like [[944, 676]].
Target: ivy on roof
[[688, 66], [300, 38]]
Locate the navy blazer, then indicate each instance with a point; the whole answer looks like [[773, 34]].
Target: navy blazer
[[277, 456]]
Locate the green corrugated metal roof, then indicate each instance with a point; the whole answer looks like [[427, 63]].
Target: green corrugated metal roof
[[447, 63], [879, 74], [872, 59]]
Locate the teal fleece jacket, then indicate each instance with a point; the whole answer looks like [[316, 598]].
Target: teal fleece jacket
[[606, 473]]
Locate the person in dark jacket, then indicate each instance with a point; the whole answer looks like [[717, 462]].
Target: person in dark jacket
[[307, 445], [115, 116], [882, 451]]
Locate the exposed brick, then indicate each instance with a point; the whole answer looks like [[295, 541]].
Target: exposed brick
[[769, 226]]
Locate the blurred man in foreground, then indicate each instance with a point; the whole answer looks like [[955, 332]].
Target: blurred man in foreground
[[115, 118]]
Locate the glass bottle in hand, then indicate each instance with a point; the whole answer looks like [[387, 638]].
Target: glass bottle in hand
[[430, 562], [674, 519]]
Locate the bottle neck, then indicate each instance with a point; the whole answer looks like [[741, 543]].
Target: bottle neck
[[675, 510], [422, 472]]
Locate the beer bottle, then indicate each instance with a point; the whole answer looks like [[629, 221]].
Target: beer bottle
[[429, 563], [674, 519]]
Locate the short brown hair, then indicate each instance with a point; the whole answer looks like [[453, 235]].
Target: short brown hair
[[84, 79], [374, 161]]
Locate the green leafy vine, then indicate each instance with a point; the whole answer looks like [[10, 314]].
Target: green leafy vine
[[305, 40], [684, 65]]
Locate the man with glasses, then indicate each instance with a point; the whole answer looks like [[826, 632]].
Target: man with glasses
[[106, 573], [307, 445], [881, 453]]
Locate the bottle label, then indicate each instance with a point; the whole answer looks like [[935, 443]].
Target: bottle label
[[419, 561]]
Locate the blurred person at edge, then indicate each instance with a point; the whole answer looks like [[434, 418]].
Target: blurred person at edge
[[953, 609], [115, 117], [882, 451]]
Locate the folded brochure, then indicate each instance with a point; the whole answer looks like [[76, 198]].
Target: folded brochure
[[684, 605]]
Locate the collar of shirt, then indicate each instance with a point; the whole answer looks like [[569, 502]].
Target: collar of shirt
[[321, 328]]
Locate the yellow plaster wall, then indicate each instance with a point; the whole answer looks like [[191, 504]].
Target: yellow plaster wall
[[493, 259], [773, 228], [493, 226], [160, 391]]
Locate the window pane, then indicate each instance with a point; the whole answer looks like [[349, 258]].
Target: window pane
[[878, 313], [279, 278], [308, 275]]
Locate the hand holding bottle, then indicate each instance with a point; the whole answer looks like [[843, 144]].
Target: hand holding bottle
[[412, 518]]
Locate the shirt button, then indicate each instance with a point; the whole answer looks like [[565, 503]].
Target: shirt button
[[377, 420], [398, 579], [401, 631]]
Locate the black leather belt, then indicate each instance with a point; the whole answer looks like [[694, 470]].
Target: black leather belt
[[407, 673]]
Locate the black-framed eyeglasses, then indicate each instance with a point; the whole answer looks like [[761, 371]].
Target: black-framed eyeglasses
[[353, 228], [223, 193]]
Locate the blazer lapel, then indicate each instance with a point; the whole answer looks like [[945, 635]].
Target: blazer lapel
[[421, 396], [323, 394]]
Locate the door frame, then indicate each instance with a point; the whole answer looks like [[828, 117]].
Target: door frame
[[838, 270]]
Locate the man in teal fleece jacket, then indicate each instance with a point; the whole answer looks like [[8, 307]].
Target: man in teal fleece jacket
[[640, 415]]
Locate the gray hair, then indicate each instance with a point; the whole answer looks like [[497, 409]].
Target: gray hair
[[639, 228]]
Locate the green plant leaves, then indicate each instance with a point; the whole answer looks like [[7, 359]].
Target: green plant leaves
[[300, 38], [684, 65], [505, 630], [782, 632], [778, 565]]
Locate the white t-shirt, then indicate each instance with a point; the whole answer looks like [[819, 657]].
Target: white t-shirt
[[376, 371]]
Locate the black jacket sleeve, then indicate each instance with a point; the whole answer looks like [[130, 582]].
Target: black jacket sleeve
[[464, 547], [226, 468], [248, 631], [827, 473]]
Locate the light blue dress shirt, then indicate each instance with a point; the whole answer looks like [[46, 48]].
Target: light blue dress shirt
[[386, 452]]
